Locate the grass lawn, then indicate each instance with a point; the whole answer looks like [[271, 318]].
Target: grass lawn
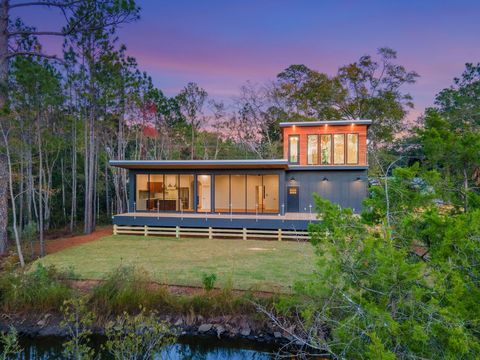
[[243, 264]]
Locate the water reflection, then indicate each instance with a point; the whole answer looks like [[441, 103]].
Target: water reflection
[[194, 348]]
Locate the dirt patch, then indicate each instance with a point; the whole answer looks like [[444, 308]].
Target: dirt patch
[[85, 286], [59, 244]]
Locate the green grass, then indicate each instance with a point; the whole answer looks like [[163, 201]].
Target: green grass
[[250, 264]]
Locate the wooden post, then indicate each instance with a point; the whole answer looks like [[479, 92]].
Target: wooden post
[[145, 230], [210, 233], [177, 232], [115, 232], [244, 234], [279, 234]]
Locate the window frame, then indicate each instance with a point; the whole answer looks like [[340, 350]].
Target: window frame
[[318, 149], [358, 149], [290, 148]]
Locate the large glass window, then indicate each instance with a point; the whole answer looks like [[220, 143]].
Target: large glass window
[[156, 186], [222, 193], [312, 150], [186, 193], [326, 149], [141, 192], [270, 193], [352, 148], [204, 193], [293, 148], [237, 193], [338, 149], [170, 201], [254, 193]]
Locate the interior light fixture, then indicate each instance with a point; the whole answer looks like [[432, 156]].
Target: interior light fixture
[[324, 179]]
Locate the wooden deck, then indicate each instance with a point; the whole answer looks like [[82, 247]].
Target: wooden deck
[[288, 221]]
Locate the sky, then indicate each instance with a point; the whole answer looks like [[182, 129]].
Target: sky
[[222, 44]]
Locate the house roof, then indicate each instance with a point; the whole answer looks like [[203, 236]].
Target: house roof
[[326, 122], [201, 164]]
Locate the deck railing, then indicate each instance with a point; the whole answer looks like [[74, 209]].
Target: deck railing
[[211, 232]]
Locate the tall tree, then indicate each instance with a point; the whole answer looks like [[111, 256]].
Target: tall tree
[[192, 100], [368, 88], [92, 43], [117, 11]]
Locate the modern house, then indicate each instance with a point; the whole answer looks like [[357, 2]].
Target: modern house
[[324, 157]]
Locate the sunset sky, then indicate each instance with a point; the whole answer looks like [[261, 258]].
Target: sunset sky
[[222, 44]]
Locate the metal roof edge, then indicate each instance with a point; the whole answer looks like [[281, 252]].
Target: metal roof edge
[[327, 167], [199, 162], [326, 122]]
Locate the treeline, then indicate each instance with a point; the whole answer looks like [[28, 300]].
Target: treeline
[[66, 115], [401, 281]]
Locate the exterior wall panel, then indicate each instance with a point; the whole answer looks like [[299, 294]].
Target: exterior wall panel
[[341, 187]]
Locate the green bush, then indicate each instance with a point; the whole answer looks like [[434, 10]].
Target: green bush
[[125, 289], [41, 289], [137, 337], [208, 281]]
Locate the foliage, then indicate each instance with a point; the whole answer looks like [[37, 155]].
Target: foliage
[[124, 289], [374, 295], [77, 320], [406, 189], [9, 347], [137, 337], [39, 289], [367, 89], [208, 281], [460, 103], [455, 150]]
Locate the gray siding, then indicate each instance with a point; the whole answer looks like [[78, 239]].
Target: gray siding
[[342, 187]]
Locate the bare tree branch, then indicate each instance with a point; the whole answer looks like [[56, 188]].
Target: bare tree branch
[[46, 3], [33, 53]]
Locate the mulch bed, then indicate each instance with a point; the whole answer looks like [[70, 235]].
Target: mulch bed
[[56, 245]]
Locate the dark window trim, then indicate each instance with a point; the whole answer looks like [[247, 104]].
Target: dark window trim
[[212, 191], [358, 149], [344, 150], [318, 148], [298, 148]]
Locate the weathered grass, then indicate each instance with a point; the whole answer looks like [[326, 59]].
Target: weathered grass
[[129, 289], [248, 265], [38, 290]]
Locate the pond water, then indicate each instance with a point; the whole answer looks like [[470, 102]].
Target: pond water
[[187, 347]]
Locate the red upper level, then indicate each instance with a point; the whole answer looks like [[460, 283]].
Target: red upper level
[[327, 143]]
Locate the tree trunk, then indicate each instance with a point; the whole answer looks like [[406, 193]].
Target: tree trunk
[[3, 101], [40, 191], [73, 210], [3, 204]]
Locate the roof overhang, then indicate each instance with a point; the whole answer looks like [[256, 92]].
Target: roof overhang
[[327, 167], [200, 164], [326, 122]]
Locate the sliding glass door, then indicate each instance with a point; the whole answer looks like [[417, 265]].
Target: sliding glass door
[[237, 193], [164, 192], [204, 198]]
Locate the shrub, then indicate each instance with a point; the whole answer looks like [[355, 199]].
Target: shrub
[[137, 337], [125, 289], [208, 281], [9, 345], [77, 320], [41, 289]]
